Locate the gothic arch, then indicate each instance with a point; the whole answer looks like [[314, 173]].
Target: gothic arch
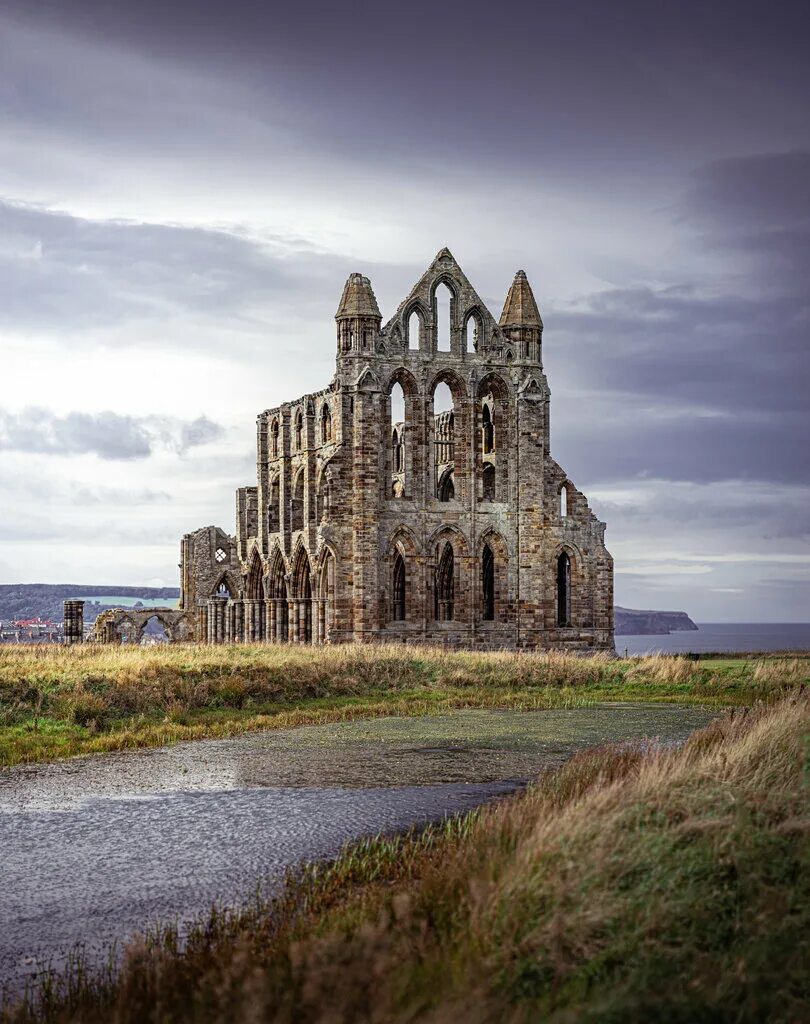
[[494, 384], [406, 381], [450, 532], [301, 580], [405, 537], [447, 279], [229, 588], [402, 568], [254, 583], [458, 389]]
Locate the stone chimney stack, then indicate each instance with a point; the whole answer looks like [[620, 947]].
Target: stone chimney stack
[[520, 320], [358, 318]]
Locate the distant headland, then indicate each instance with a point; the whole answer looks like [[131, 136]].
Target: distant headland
[[633, 622]]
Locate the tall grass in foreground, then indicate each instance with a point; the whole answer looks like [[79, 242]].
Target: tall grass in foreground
[[57, 701], [629, 886]]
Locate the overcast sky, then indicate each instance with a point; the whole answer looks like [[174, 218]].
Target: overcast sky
[[185, 186]]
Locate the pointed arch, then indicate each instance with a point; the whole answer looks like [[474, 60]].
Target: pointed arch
[[493, 563], [274, 435], [414, 332], [487, 430], [487, 584], [297, 502], [299, 431], [223, 587], [326, 423], [445, 584], [273, 504], [563, 500], [563, 589], [301, 580], [399, 588], [254, 586]]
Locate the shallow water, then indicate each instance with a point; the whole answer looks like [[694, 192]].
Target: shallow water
[[95, 849]]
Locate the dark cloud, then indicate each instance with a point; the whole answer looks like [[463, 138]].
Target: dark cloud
[[769, 190], [107, 434], [573, 85], [59, 271], [708, 379]]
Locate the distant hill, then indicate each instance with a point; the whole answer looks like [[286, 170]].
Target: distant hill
[[630, 621], [44, 600]]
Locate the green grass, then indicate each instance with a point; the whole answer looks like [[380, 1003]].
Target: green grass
[[57, 702], [629, 886]]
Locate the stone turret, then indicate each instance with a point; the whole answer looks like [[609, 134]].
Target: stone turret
[[520, 320], [358, 317]]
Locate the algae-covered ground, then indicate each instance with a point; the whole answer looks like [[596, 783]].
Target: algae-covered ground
[[57, 702]]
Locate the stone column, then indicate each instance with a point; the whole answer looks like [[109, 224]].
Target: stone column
[[269, 634], [272, 620], [74, 622], [292, 622], [239, 621]]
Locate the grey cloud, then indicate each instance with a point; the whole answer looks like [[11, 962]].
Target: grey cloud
[[106, 434], [60, 272], [770, 190]]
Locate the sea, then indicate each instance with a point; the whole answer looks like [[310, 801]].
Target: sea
[[722, 636]]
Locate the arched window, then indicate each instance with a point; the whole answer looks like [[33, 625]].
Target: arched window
[[274, 439], [398, 605], [473, 334], [563, 590], [563, 501], [487, 584], [444, 423], [488, 478], [446, 490], [297, 504], [299, 431], [273, 507], [326, 424], [414, 330], [397, 427], [442, 306], [445, 584], [487, 431]]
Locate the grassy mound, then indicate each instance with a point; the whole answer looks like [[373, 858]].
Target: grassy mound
[[57, 701], [628, 886]]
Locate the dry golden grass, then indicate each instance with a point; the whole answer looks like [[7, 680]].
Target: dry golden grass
[[57, 701]]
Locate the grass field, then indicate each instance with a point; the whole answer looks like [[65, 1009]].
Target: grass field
[[60, 701], [629, 886]]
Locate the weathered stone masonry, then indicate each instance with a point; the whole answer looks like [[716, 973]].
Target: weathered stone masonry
[[452, 526]]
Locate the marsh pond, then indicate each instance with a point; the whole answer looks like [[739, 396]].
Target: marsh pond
[[96, 849]]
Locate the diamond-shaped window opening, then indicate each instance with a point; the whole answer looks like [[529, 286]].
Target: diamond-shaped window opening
[[220, 555]]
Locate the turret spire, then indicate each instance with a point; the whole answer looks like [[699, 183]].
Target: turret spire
[[358, 316], [358, 298], [520, 320], [520, 308]]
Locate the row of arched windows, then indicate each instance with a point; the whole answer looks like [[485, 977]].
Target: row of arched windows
[[444, 315], [325, 431], [442, 444], [444, 586]]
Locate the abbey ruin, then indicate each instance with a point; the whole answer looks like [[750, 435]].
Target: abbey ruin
[[379, 515], [413, 499]]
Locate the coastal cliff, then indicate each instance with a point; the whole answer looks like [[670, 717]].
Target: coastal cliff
[[631, 621]]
